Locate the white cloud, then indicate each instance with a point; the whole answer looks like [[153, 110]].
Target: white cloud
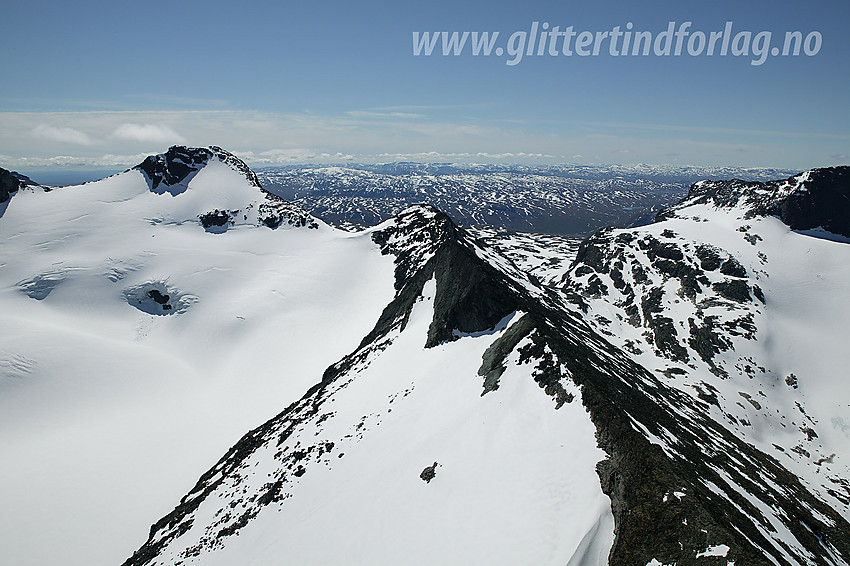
[[362, 136], [373, 114], [63, 135], [155, 133], [464, 156], [291, 155]]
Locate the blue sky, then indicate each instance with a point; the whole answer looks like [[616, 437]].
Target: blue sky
[[90, 84]]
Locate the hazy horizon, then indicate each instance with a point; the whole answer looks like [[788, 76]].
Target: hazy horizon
[[58, 176]]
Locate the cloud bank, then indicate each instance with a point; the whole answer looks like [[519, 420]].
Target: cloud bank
[[61, 135], [156, 133], [118, 138]]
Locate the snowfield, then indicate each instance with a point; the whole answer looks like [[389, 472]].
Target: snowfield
[[112, 405], [108, 414], [514, 483]]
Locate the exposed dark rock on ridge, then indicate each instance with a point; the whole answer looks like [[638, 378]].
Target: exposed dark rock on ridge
[[427, 244], [819, 198], [11, 182], [179, 162], [9, 185], [633, 272], [171, 172]]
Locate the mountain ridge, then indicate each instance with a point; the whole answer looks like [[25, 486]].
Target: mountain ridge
[[818, 198], [651, 449], [694, 296]]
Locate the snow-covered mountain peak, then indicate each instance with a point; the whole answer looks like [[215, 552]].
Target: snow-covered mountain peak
[[218, 189], [10, 183], [171, 171], [415, 217], [470, 297], [818, 198], [413, 236]]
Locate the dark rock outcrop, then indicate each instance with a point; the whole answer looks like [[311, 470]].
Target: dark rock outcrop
[[169, 169], [429, 473], [11, 182], [215, 219], [819, 198], [9, 185], [469, 297]]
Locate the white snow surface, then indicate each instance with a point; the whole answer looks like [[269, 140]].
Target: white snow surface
[[109, 414], [515, 480], [544, 256], [720, 550], [112, 406]]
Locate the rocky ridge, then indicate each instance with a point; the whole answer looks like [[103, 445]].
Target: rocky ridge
[[660, 440], [819, 198], [11, 182]]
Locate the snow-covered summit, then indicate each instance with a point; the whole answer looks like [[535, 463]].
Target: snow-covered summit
[[207, 186], [818, 198], [413, 236], [137, 345], [166, 172], [11, 182], [218, 189]]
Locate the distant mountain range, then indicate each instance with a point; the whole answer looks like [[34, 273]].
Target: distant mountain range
[[661, 173], [566, 200]]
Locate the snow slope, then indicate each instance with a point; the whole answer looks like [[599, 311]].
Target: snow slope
[[142, 336], [108, 413], [512, 483], [514, 469]]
